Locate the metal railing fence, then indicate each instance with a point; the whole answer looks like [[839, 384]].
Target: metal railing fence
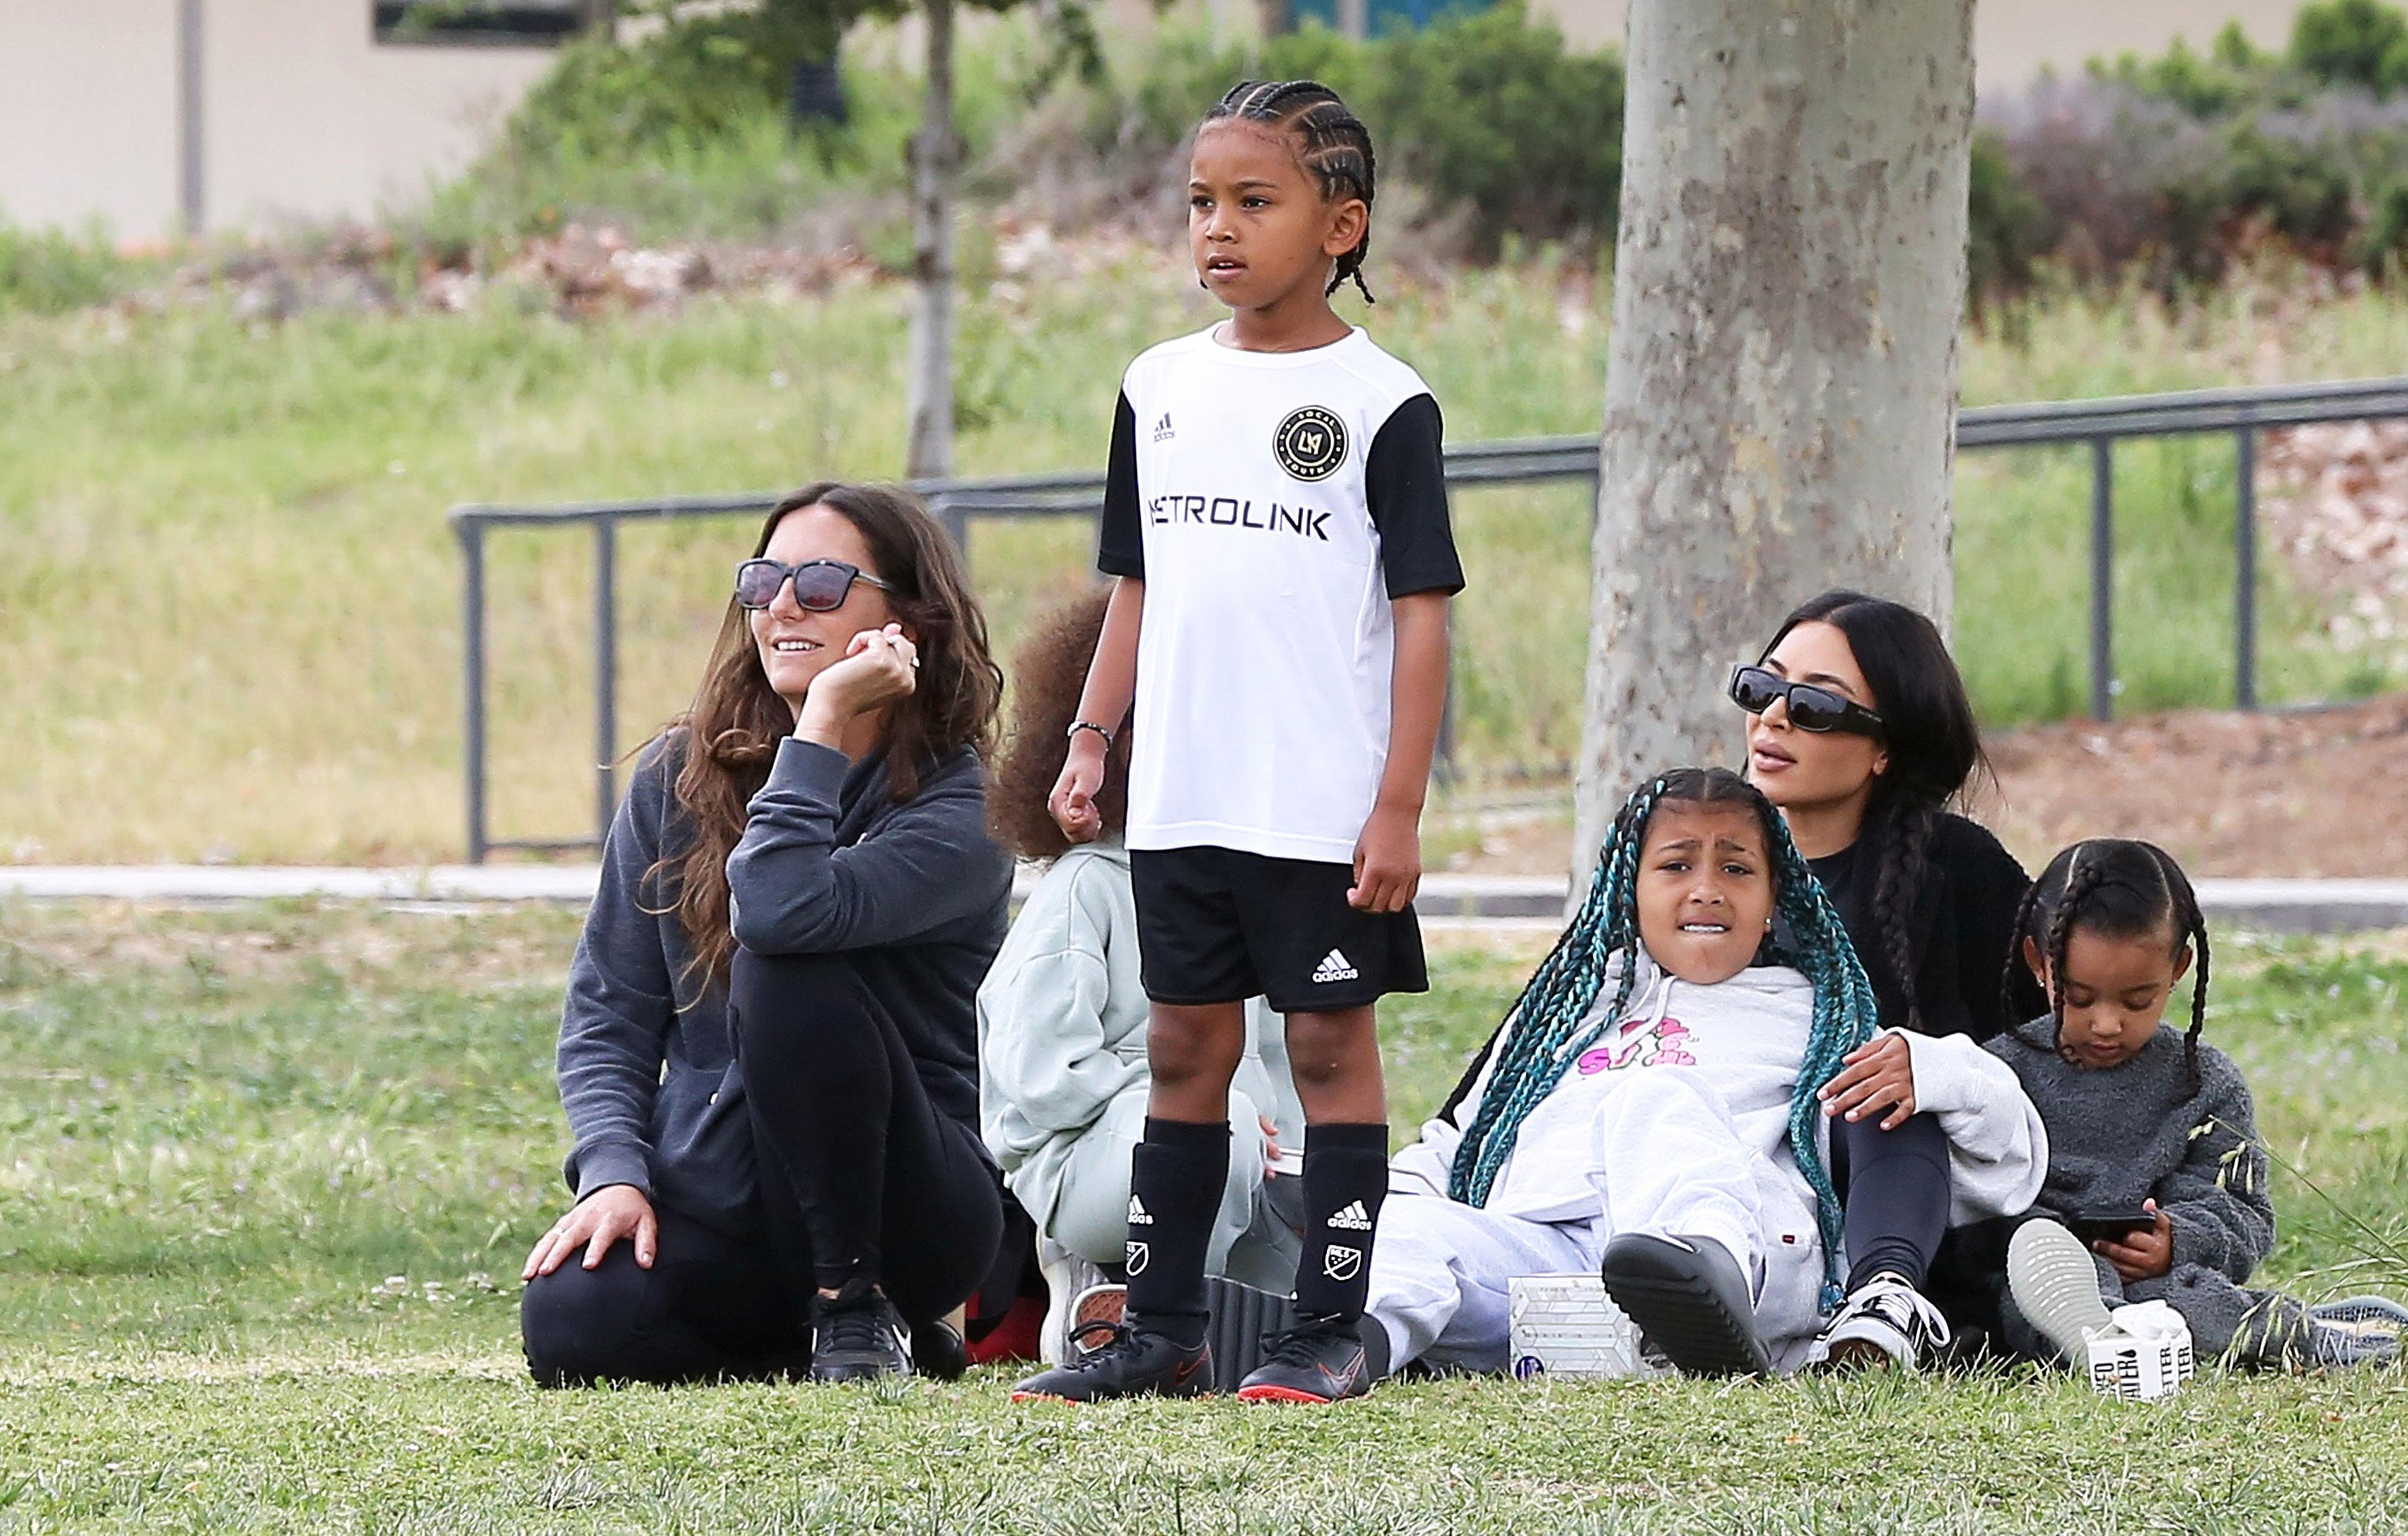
[[2100, 423]]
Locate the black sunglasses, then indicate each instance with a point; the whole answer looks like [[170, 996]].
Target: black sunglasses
[[1811, 709], [819, 584]]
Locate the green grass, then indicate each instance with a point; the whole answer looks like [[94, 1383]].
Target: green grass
[[229, 618], [269, 1173]]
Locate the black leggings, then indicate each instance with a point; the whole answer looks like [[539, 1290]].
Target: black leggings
[[1896, 1185], [860, 1176]]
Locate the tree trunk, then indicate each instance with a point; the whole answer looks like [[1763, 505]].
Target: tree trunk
[[936, 172], [1782, 380]]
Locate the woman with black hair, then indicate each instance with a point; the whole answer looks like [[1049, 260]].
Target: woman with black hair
[[1860, 729], [769, 1052]]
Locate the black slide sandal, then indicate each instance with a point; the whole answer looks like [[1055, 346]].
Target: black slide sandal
[[1689, 1300]]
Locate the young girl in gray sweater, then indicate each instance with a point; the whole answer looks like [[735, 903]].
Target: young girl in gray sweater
[[2154, 1154]]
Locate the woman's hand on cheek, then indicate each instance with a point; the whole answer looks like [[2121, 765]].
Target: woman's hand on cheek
[[880, 667], [1876, 1075]]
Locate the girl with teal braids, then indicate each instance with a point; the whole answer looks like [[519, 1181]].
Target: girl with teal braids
[[1648, 1110]]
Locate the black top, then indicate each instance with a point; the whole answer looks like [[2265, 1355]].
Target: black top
[[1404, 486], [915, 894], [1960, 930]]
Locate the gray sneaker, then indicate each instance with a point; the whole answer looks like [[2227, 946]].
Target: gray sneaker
[[2054, 1285], [2339, 1345], [2361, 1309]]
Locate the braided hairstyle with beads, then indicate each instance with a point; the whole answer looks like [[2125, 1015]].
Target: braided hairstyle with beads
[[1556, 1018], [1331, 141], [2115, 888]]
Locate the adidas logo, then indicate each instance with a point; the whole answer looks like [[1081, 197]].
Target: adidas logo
[[1162, 433], [1352, 1216], [1139, 1216], [1335, 967]]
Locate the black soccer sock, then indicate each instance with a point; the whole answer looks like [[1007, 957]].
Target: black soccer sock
[[1345, 1179], [1176, 1176]]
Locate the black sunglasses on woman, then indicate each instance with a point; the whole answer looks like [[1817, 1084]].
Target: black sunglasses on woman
[[820, 586], [1812, 708]]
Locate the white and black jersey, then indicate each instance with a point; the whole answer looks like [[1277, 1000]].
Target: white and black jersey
[[1273, 502]]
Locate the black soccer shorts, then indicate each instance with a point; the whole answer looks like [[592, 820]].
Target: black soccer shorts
[[1217, 925]]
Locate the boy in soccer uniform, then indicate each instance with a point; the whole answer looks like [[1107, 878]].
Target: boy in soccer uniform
[[1276, 519]]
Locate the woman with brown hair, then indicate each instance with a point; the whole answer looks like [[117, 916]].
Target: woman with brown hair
[[768, 1055]]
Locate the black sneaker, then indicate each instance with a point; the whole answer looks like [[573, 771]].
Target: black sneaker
[[1130, 1362], [858, 1338], [1320, 1359], [1690, 1301]]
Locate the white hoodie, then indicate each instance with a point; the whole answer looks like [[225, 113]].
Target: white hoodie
[[1749, 1035]]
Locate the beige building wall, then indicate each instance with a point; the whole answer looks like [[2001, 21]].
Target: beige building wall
[[2014, 39], [88, 114], [304, 115]]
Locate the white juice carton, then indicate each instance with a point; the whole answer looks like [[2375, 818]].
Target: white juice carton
[[1565, 1325], [2142, 1354]]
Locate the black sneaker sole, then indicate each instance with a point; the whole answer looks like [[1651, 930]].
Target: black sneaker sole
[[1244, 1319], [1678, 1300]]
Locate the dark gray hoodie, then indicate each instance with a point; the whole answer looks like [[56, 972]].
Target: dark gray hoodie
[[916, 895]]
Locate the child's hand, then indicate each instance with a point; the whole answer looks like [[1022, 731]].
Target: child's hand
[[1387, 861], [1073, 800], [1270, 1148], [1874, 1076], [2144, 1255]]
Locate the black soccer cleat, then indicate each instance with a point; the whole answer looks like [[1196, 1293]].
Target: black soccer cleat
[[1689, 1300], [1319, 1360], [1131, 1362], [858, 1338]]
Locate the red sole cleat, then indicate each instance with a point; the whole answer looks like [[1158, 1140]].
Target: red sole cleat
[[1280, 1394]]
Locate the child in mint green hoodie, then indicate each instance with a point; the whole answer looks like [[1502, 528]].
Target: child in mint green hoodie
[[1062, 1020]]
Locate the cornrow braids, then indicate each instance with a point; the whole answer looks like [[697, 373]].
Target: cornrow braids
[[1548, 1026], [1332, 142], [2120, 889]]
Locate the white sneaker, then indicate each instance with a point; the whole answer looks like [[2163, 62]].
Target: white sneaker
[[2054, 1285], [1068, 1275], [1884, 1321]]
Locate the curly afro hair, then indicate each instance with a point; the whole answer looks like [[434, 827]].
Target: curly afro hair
[[1048, 674]]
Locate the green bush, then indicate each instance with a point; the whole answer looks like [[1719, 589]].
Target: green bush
[[48, 272], [2007, 227], [2362, 43]]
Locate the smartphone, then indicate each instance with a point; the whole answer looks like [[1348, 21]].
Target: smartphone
[[2092, 1223]]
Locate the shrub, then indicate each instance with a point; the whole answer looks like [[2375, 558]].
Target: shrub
[[48, 272], [2352, 42], [1488, 110]]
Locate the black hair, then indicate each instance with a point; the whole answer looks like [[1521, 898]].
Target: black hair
[[1554, 1021], [2117, 888], [1934, 746], [1335, 147]]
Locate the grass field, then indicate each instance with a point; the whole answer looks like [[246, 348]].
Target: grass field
[[229, 615], [268, 1173]]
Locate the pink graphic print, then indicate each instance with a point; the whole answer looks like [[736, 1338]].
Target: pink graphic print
[[1667, 1035]]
